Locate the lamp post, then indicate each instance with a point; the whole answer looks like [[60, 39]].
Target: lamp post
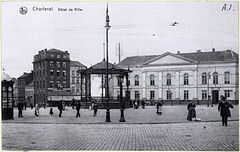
[[107, 87], [122, 119], [208, 77]]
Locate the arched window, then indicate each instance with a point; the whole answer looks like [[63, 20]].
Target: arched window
[[226, 78], [152, 81], [185, 78], [136, 78], [215, 78], [204, 78], [169, 79]]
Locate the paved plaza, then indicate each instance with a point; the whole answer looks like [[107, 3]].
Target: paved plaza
[[143, 130]]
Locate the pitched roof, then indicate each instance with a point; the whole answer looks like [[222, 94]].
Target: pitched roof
[[227, 55], [56, 50], [103, 65], [76, 63], [201, 57], [136, 60]]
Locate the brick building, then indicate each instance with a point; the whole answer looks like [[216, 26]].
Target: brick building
[[51, 73]]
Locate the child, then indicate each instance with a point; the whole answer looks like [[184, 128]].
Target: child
[[51, 111]]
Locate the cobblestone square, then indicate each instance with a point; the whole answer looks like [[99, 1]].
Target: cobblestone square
[[143, 130]]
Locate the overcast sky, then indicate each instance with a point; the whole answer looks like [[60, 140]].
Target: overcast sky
[[142, 28]]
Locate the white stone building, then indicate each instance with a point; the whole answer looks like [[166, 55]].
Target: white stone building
[[182, 76]]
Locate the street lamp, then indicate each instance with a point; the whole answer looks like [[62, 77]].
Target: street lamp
[[208, 77], [122, 119], [107, 87]]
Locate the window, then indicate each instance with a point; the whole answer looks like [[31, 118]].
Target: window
[[185, 77], [77, 90], [64, 73], [168, 79], [169, 95], [58, 73], [227, 93], [73, 89], [64, 84], [52, 55], [204, 94], [152, 81], [73, 72], [152, 95], [215, 78], [185, 94], [204, 78], [77, 80], [51, 72], [73, 81], [58, 64], [58, 56], [137, 95], [64, 64], [136, 78], [226, 78], [51, 64]]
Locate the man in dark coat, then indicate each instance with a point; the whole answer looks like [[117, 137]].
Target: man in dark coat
[[191, 111], [95, 108], [223, 107], [78, 106], [60, 108], [20, 108]]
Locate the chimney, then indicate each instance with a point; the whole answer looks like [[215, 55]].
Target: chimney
[[178, 52], [198, 51], [213, 49]]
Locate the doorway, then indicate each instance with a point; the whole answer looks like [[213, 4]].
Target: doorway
[[215, 96]]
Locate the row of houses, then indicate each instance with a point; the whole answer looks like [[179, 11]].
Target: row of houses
[[197, 76]]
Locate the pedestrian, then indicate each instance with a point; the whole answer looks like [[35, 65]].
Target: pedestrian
[[191, 111], [36, 110], [143, 104], [19, 105], [25, 105], [92, 104], [136, 105], [78, 106], [51, 111], [159, 108], [223, 107], [60, 108], [31, 106], [73, 103], [95, 108], [44, 106]]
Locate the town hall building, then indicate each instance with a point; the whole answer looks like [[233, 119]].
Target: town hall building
[[197, 76]]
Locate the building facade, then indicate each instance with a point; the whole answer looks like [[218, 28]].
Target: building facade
[[29, 94], [51, 73], [182, 76], [75, 77], [23, 81]]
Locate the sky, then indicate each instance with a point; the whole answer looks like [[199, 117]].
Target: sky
[[141, 28]]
